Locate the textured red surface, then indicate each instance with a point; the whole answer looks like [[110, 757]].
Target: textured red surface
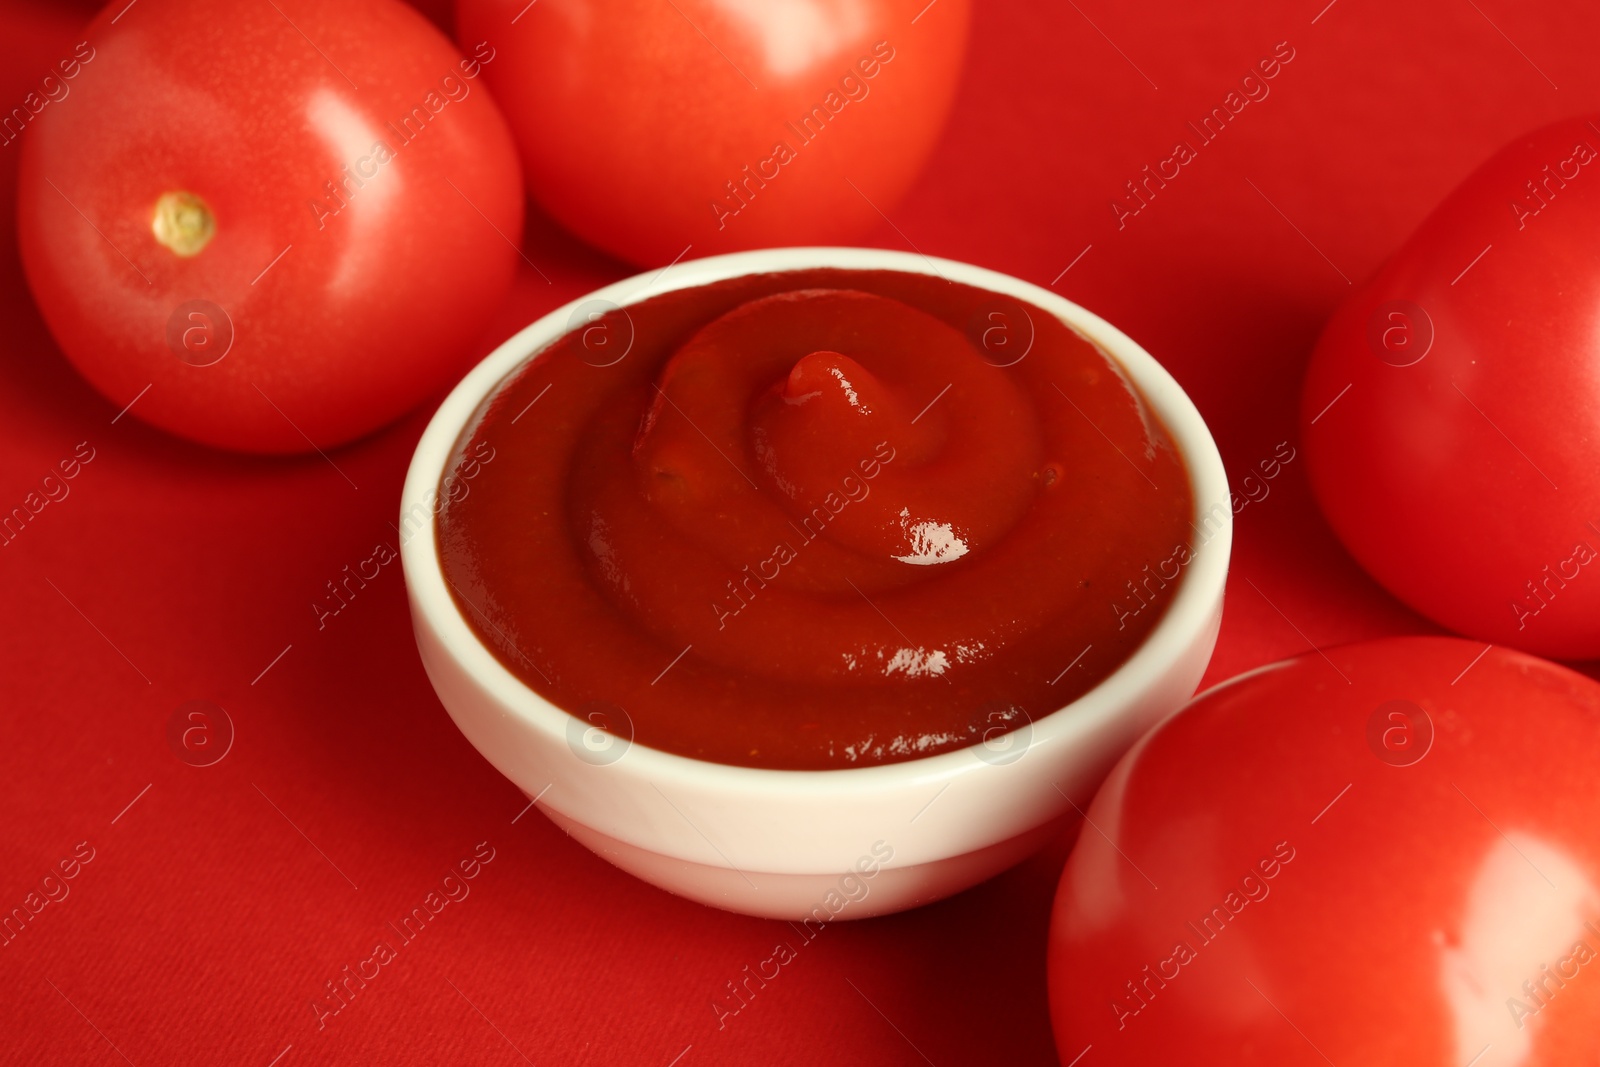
[[208, 920]]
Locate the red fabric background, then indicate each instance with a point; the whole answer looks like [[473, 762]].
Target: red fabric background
[[208, 920]]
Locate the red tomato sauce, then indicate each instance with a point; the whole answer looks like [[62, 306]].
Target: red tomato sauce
[[816, 519]]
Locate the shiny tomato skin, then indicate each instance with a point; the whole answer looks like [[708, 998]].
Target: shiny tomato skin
[[633, 116], [346, 303], [1397, 836], [1468, 482]]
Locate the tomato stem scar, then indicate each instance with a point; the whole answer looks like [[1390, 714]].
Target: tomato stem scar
[[183, 223]]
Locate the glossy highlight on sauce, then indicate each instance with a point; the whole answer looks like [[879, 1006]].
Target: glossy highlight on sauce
[[816, 519]]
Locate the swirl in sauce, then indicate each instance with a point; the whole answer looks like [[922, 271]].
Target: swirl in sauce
[[816, 519]]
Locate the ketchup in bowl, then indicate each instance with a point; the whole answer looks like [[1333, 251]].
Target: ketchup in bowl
[[815, 519]]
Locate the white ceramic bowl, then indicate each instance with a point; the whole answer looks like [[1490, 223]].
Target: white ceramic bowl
[[813, 844]]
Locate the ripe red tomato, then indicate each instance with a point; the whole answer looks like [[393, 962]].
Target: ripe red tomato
[[1385, 856], [648, 127], [269, 227], [1450, 409]]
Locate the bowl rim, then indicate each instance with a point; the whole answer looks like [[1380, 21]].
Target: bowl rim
[[1199, 591]]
